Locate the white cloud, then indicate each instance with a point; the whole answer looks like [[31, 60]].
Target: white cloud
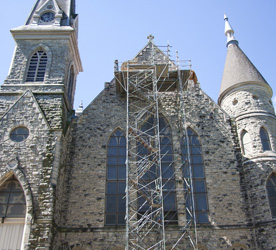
[[274, 102]]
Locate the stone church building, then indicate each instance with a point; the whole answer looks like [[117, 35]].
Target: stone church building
[[112, 176]]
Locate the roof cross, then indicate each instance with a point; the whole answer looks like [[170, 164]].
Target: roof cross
[[150, 37]]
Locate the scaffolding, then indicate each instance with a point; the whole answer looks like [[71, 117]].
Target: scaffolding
[[155, 200]]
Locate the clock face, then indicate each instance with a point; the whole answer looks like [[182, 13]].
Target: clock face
[[48, 17]]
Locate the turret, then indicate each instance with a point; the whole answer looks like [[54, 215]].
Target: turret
[[246, 96]]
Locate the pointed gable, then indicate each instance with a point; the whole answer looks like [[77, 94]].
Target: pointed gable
[[150, 54], [24, 110], [24, 115], [64, 11]]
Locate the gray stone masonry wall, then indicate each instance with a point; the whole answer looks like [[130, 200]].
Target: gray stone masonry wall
[[252, 109], [59, 59], [248, 99], [53, 108], [62, 192], [86, 160], [114, 239], [253, 125], [256, 178], [34, 159], [6, 102]]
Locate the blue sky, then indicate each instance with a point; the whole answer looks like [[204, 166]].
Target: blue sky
[[118, 29]]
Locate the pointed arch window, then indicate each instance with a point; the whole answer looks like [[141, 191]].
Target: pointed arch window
[[37, 67], [271, 192], [246, 142], [198, 176], [115, 206], [12, 214], [70, 83], [265, 140], [167, 167]]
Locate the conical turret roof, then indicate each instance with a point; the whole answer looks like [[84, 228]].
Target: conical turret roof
[[238, 69]]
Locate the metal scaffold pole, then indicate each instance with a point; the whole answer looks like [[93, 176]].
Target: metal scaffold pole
[[155, 199], [187, 167], [144, 206]]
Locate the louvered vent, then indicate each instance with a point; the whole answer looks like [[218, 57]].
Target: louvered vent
[[37, 67]]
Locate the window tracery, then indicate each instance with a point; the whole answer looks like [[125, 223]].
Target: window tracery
[[116, 179], [198, 176], [37, 67]]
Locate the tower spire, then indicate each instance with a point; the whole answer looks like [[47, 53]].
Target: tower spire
[[229, 32], [238, 69]]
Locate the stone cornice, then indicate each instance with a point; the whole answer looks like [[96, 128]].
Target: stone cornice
[[254, 114], [243, 86], [27, 32], [260, 158]]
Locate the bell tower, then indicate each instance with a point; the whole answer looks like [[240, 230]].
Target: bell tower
[[36, 108], [46, 55]]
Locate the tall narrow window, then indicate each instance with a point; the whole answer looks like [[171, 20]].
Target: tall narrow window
[[116, 179], [265, 139], [12, 214], [271, 192], [246, 143], [70, 83], [37, 67], [167, 167], [198, 176]]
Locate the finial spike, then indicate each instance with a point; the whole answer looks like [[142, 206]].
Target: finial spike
[[80, 109], [229, 32]]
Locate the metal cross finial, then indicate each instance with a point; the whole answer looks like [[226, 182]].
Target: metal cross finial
[[150, 37]]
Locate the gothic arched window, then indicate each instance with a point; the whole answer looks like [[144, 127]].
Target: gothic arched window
[[198, 176], [116, 179], [265, 139], [70, 83], [12, 214], [167, 167], [246, 142], [37, 67], [271, 192]]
